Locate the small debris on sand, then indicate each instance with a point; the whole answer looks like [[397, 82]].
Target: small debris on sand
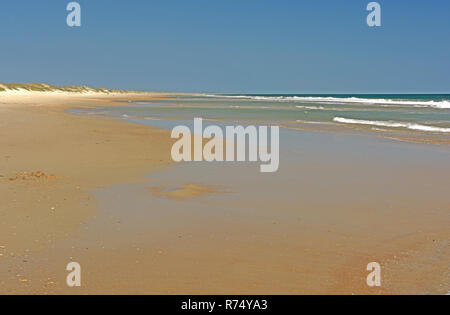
[[39, 175]]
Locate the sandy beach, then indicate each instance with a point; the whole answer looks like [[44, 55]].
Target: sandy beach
[[50, 162], [76, 188]]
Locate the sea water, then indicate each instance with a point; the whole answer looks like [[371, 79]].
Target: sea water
[[428, 114]]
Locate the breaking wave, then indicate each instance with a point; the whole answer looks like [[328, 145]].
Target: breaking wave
[[393, 124], [443, 104]]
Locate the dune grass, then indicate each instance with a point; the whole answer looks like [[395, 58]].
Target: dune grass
[[42, 87]]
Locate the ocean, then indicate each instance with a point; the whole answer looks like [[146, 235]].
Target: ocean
[[424, 116]]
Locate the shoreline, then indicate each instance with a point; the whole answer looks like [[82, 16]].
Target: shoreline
[[55, 216]]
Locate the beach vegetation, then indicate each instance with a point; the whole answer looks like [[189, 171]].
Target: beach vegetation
[[43, 87]]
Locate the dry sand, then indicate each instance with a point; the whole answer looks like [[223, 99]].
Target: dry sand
[[51, 161]]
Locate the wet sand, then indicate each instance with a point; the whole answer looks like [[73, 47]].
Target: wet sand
[[109, 199], [50, 160]]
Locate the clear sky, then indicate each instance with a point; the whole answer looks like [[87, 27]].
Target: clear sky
[[229, 46]]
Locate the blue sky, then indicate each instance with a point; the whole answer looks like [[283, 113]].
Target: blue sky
[[229, 46]]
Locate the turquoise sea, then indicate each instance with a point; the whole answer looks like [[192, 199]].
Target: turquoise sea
[[423, 114]]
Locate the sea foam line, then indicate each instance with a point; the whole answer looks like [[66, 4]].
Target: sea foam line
[[392, 124], [444, 104]]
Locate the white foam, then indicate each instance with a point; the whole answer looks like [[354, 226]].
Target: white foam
[[392, 124], [444, 104], [311, 107]]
